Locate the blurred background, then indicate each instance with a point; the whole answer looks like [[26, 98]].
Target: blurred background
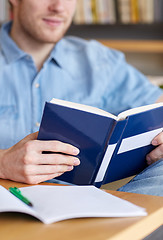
[[134, 27]]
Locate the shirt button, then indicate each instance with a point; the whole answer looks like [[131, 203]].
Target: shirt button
[[37, 85], [37, 124]]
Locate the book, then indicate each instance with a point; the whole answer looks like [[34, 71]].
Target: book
[[102, 12], [4, 11], [87, 6], [134, 11], [124, 11], [56, 203], [94, 11], [146, 10], [79, 17], [111, 148], [110, 7], [158, 10]]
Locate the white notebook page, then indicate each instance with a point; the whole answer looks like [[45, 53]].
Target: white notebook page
[[56, 203]]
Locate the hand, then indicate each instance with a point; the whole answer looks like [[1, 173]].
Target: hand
[[157, 153], [25, 162]]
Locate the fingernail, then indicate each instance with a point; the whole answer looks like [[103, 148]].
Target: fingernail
[[70, 168], [149, 161], [76, 151], [76, 162], [154, 142]]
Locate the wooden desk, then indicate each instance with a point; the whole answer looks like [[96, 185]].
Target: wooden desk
[[15, 226]]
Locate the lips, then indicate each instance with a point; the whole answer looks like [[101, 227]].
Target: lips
[[53, 22]]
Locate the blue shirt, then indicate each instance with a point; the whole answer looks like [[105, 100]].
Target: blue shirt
[[77, 70]]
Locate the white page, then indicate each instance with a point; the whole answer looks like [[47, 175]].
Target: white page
[[10, 203], [56, 203], [132, 111], [83, 107]]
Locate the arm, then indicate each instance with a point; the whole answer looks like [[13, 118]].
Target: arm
[[160, 99], [25, 162], [157, 153]]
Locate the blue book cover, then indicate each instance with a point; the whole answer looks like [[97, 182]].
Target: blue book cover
[[105, 152], [129, 157]]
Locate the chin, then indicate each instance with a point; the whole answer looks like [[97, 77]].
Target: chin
[[52, 37], [52, 40]]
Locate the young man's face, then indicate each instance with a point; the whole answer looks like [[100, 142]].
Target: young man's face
[[45, 21]]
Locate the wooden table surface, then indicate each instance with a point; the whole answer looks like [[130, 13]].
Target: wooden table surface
[[17, 226]]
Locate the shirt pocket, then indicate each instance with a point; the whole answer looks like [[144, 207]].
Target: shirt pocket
[[8, 116]]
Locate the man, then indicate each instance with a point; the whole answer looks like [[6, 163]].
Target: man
[[37, 64]]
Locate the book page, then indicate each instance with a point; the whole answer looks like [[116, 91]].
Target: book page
[[129, 112], [10, 203], [57, 203], [83, 107]]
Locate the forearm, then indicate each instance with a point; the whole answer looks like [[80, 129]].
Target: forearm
[[2, 153], [160, 99]]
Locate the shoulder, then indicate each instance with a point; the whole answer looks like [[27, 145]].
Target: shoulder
[[91, 48]]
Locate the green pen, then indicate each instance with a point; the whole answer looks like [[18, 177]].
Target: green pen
[[17, 193]]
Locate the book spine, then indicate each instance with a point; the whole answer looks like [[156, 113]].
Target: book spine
[[150, 11], [111, 11], [5, 11], [156, 11], [146, 11], [87, 6], [161, 11], [117, 11], [113, 143], [134, 11], [124, 9], [79, 14], [94, 11], [102, 11]]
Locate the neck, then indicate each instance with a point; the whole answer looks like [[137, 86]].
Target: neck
[[38, 50]]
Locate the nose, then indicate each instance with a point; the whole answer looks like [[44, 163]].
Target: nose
[[56, 6]]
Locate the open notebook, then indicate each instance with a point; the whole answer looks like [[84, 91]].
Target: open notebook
[[56, 203]]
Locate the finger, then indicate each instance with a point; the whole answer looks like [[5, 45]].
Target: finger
[[155, 155], [57, 159], [158, 139], [40, 178], [51, 146], [30, 170]]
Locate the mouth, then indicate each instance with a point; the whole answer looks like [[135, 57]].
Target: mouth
[[53, 22]]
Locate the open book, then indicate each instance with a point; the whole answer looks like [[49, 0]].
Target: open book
[[111, 148], [56, 203]]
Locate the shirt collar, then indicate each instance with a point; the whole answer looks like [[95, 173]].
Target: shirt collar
[[10, 49], [63, 49], [12, 52], [58, 54]]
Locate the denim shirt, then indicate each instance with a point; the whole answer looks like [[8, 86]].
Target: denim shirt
[[76, 70]]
